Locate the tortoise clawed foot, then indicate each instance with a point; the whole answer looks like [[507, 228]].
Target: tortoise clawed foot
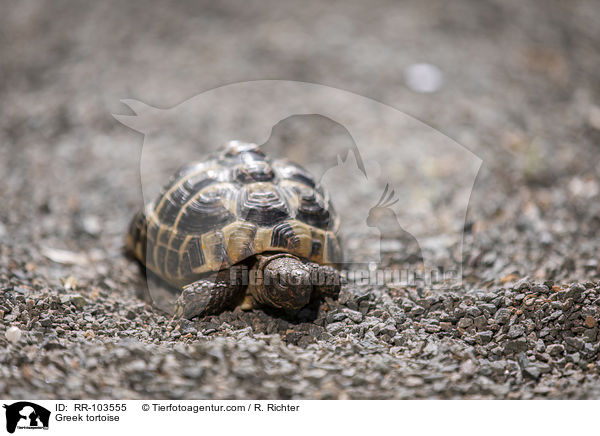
[[205, 297], [327, 281], [193, 302]]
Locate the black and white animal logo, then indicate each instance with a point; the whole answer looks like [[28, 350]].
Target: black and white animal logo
[[26, 415]]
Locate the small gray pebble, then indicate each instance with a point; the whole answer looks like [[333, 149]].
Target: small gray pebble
[[502, 316]]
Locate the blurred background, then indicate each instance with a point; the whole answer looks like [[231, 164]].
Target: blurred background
[[514, 83]]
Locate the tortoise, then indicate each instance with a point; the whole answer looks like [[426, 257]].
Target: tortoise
[[240, 229]]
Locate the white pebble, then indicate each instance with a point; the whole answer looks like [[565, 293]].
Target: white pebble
[[13, 334], [423, 78], [92, 225]]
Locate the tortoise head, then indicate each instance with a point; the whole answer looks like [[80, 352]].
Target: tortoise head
[[286, 283]]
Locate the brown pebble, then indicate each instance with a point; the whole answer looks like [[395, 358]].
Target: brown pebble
[[446, 326], [28, 373], [95, 294], [508, 278], [590, 322]]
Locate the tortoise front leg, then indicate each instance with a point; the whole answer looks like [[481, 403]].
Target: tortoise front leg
[[209, 297], [326, 280]]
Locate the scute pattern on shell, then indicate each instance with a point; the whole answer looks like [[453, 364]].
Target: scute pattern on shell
[[214, 214]]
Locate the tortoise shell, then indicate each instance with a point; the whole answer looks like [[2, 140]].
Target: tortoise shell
[[240, 203]]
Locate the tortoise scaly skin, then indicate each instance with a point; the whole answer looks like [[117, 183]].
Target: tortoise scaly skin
[[240, 210]]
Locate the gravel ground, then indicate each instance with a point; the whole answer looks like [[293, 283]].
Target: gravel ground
[[520, 90]]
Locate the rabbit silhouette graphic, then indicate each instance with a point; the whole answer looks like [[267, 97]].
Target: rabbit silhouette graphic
[[383, 217]]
